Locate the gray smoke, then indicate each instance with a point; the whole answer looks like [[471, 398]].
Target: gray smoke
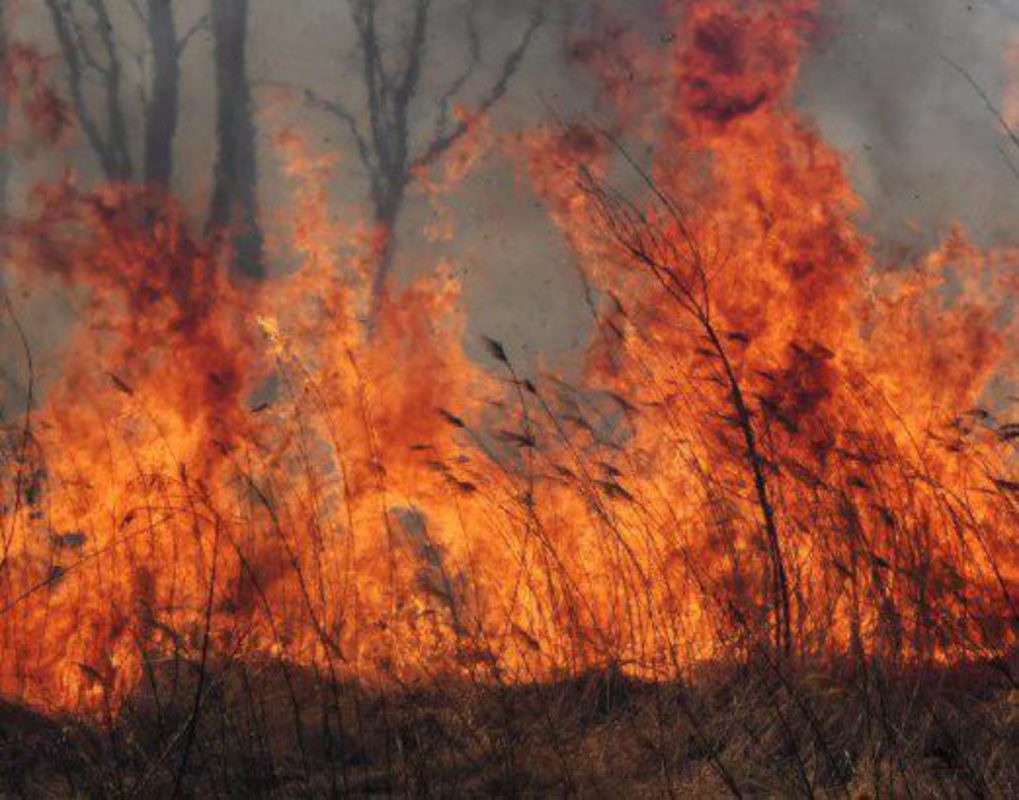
[[922, 148]]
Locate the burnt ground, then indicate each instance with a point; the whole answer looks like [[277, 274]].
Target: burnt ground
[[272, 730]]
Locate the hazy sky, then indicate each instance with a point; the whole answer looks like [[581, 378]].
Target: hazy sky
[[922, 148]]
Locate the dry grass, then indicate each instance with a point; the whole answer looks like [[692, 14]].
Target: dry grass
[[748, 730], [864, 534]]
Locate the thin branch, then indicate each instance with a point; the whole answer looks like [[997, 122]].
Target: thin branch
[[1013, 137], [375, 80], [139, 12], [338, 110], [474, 40], [73, 55], [115, 112], [82, 43], [416, 49], [201, 25], [440, 144]]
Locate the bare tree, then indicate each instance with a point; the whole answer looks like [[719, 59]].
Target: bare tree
[[391, 77], [234, 204], [95, 58]]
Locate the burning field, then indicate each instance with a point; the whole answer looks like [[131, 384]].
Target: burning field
[[280, 517]]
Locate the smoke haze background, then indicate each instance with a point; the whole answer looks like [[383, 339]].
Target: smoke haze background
[[921, 146]]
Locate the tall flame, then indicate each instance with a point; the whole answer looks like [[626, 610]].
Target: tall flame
[[777, 442]]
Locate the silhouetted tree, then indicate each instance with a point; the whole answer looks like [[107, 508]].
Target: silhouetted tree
[[162, 107], [94, 59], [389, 149], [234, 205]]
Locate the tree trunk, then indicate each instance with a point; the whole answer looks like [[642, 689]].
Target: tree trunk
[[387, 213], [161, 119], [234, 205]]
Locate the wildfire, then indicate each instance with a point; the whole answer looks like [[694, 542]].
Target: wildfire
[[777, 445]]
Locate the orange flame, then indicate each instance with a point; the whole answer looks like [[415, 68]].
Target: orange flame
[[249, 472]]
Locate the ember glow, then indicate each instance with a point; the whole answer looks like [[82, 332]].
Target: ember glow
[[776, 446]]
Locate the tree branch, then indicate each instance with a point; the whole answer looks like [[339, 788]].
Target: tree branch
[[65, 27], [338, 110], [461, 80], [201, 25], [441, 143]]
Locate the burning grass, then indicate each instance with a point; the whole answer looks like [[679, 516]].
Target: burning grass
[[255, 544]]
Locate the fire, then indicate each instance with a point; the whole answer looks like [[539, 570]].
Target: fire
[[777, 444], [748, 273], [1010, 105]]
